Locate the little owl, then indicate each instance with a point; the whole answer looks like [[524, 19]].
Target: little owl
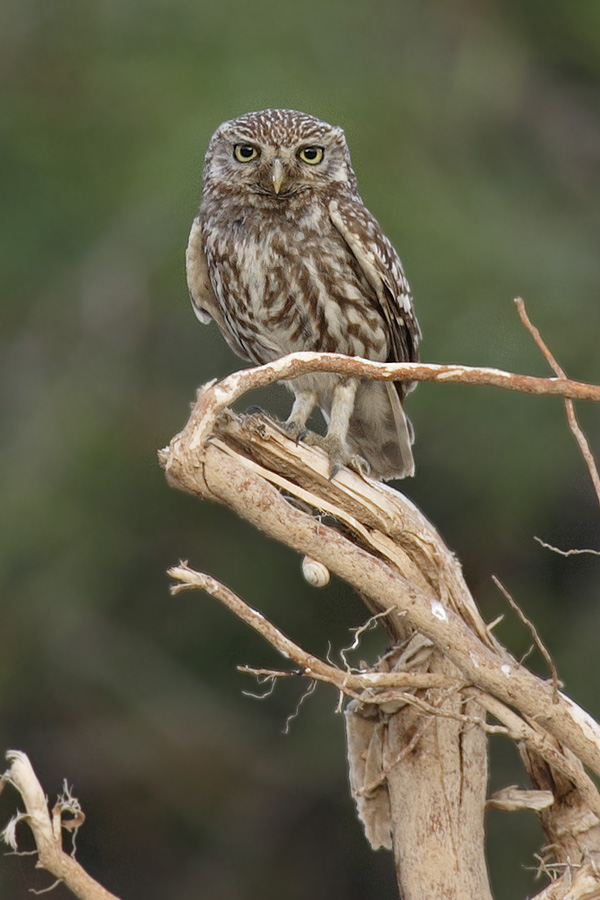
[[284, 256]]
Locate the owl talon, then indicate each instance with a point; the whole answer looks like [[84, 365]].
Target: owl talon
[[339, 454], [358, 463], [361, 465], [333, 449], [296, 430], [340, 457]]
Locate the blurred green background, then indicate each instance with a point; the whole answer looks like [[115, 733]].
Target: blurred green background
[[475, 132]]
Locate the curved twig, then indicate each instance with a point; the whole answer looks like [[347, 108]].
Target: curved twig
[[217, 397]]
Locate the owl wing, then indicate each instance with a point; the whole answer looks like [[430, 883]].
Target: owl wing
[[202, 295], [383, 270]]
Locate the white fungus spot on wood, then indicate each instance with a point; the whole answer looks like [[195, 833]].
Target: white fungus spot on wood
[[438, 611]]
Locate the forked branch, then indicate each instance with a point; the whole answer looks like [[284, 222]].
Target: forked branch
[[47, 829], [416, 722]]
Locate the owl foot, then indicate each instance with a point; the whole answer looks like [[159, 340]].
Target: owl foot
[[341, 455], [338, 452], [352, 461]]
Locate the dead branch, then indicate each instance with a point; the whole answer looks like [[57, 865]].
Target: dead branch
[[575, 551], [379, 542], [574, 425], [534, 633], [528, 733], [230, 389], [388, 688], [46, 829], [416, 722], [311, 666], [382, 571]]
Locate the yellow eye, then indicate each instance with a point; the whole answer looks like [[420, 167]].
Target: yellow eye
[[245, 152], [311, 155]]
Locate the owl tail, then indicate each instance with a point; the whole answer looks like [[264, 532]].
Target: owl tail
[[381, 431]]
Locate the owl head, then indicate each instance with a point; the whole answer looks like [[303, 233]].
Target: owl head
[[276, 155]]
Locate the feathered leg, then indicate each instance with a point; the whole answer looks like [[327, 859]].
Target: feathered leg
[[336, 439], [304, 403]]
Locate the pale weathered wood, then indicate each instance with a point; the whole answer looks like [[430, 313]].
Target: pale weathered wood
[[220, 473], [47, 832], [418, 755]]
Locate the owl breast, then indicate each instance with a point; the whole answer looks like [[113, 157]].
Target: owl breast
[[286, 281]]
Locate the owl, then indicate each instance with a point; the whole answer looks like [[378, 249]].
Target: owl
[[284, 256]]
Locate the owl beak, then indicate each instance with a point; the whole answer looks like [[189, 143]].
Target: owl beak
[[278, 174]]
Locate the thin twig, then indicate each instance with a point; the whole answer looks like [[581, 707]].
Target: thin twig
[[573, 552], [312, 686], [270, 673], [569, 407], [358, 633], [311, 666], [301, 363], [534, 633], [261, 680], [391, 686], [436, 709], [534, 332]]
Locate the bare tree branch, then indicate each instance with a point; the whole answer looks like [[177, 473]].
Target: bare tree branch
[[578, 434], [311, 666], [46, 830], [379, 567], [383, 687], [534, 633], [219, 396], [416, 723]]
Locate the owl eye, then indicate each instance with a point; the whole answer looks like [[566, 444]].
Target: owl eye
[[311, 155], [245, 152]]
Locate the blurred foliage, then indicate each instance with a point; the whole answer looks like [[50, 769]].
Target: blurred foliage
[[475, 132]]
